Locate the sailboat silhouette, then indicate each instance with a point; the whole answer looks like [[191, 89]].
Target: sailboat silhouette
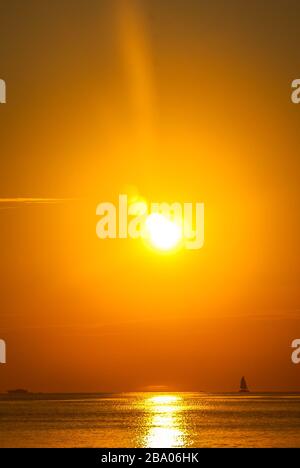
[[243, 386]]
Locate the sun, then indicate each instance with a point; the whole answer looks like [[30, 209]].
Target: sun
[[163, 233]]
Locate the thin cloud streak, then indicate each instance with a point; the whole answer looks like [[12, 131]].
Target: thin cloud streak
[[35, 200]]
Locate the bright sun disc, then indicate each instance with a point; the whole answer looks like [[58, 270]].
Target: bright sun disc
[[164, 234]]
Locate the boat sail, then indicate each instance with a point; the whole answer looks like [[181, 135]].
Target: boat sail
[[243, 386]]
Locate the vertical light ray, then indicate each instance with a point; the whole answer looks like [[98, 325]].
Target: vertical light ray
[[137, 60]]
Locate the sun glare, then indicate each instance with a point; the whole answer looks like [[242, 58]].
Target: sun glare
[[164, 234], [164, 399]]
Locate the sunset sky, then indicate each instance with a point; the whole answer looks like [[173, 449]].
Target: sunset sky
[[184, 101]]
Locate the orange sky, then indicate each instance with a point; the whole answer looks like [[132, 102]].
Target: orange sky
[[182, 103]]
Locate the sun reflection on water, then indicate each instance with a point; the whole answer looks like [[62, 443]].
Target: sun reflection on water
[[165, 427]]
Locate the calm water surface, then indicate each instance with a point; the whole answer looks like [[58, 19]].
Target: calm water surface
[[150, 420]]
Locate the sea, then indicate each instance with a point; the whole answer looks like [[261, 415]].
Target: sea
[[150, 420]]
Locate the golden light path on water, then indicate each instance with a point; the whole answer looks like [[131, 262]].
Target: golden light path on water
[[165, 426]]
